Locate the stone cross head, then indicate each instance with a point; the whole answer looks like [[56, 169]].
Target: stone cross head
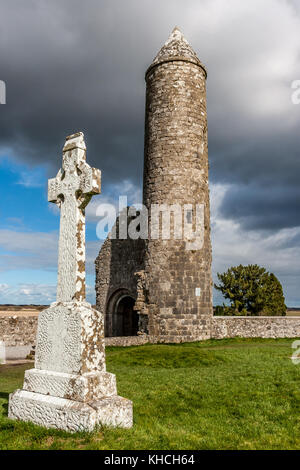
[[74, 185]]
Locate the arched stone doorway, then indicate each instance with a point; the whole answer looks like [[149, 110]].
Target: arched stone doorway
[[126, 319], [121, 319]]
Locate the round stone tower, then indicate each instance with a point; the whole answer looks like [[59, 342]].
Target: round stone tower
[[175, 289]]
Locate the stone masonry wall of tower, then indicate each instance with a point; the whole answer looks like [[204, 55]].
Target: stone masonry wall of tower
[[176, 172]]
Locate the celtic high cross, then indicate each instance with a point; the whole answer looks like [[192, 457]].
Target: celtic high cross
[[75, 184], [69, 388]]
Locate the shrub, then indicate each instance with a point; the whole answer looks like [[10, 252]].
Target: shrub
[[251, 290]]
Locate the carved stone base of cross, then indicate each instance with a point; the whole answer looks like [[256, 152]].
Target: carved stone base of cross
[[69, 387]]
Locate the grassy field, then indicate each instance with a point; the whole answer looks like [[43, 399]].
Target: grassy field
[[226, 394]]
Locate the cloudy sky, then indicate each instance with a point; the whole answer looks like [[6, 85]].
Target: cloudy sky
[[70, 65]]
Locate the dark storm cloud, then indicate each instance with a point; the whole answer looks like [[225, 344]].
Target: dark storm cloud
[[263, 207], [71, 66]]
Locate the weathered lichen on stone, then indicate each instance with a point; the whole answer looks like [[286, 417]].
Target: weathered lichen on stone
[[176, 48], [69, 387], [75, 184], [70, 339], [85, 387]]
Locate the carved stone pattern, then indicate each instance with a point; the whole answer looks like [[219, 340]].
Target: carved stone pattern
[[70, 339], [73, 416], [83, 388]]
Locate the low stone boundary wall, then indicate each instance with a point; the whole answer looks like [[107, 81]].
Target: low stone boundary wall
[[255, 327], [18, 330], [126, 340]]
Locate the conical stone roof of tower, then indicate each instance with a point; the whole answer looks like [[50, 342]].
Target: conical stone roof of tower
[[176, 48]]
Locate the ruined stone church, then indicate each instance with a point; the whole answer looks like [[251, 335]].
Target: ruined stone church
[[159, 287]]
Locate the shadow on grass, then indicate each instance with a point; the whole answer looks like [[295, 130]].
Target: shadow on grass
[[4, 405]]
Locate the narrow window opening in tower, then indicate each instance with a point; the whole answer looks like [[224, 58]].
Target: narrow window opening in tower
[[189, 215]]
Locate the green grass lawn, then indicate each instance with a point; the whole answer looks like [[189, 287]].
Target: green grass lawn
[[218, 394]]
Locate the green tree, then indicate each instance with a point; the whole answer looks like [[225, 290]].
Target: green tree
[[251, 290]]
